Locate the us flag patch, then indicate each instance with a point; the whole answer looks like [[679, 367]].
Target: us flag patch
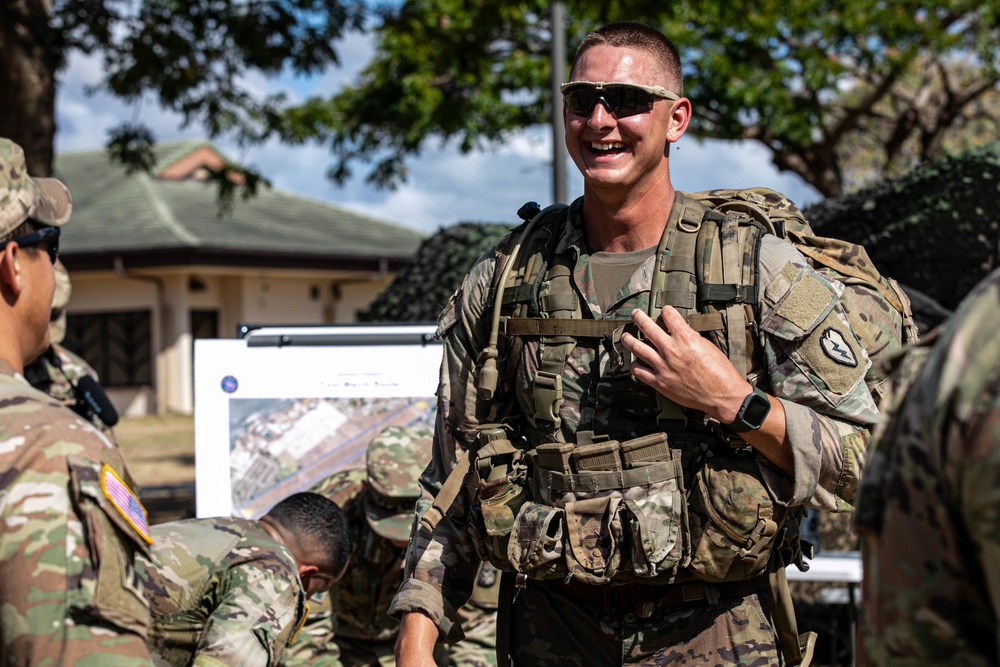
[[126, 502]]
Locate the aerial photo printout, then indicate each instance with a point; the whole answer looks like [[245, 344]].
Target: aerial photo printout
[[281, 446]]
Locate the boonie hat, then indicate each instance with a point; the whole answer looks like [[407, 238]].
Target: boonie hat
[[46, 200], [396, 458]]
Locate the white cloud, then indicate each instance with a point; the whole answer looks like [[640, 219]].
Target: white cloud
[[444, 187]]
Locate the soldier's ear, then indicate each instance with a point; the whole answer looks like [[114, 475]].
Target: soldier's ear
[[10, 270]]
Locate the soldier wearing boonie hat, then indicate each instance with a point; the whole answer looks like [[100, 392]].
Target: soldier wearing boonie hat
[[60, 373], [71, 526], [60, 300], [350, 627], [395, 459]]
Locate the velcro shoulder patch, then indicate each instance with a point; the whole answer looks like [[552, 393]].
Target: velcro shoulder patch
[[125, 502]]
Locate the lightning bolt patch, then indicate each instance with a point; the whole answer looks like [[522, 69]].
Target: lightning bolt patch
[[836, 348]]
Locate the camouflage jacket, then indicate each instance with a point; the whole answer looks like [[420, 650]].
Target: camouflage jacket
[[71, 530], [827, 432], [55, 372], [222, 592], [929, 506]]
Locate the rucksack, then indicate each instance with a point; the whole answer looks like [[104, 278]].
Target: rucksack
[[875, 305]]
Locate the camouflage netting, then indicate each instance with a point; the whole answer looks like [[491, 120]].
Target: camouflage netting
[[936, 229], [424, 285]]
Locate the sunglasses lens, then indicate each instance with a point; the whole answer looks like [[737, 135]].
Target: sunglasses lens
[[579, 100], [623, 101], [628, 101]]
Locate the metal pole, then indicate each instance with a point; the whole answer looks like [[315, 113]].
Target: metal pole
[[558, 56]]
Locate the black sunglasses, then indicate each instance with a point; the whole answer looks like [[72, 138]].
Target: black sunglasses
[[46, 235], [621, 99]]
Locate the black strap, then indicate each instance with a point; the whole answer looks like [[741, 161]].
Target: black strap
[[715, 293], [505, 601]]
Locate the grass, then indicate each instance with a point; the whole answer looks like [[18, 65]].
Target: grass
[[159, 450]]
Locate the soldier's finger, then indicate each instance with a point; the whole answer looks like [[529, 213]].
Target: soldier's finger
[[674, 322], [653, 331], [643, 352]]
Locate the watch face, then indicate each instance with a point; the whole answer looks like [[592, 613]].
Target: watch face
[[756, 410]]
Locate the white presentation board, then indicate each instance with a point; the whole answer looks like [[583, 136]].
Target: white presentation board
[[283, 408]]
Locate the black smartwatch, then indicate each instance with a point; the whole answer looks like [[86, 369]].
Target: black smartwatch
[[752, 413]]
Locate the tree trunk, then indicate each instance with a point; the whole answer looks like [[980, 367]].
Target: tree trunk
[[27, 81]]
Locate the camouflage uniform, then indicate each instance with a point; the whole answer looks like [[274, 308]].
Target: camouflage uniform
[[350, 626], [929, 506], [827, 434], [71, 532], [222, 592]]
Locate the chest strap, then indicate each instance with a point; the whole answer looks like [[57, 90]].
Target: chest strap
[[541, 326]]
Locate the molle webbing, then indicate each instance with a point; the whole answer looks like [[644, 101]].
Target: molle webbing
[[605, 480], [556, 301], [674, 277]]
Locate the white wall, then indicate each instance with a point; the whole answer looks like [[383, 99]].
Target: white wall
[[239, 296]]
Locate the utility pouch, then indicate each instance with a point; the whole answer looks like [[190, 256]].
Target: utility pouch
[[645, 450], [593, 531], [537, 545], [555, 456], [733, 520], [498, 482], [657, 522], [596, 456]]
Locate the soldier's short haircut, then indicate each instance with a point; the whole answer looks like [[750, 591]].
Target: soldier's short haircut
[[319, 523], [29, 226], [634, 35]]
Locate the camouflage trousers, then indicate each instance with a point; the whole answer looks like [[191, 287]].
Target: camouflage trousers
[[550, 629], [478, 649], [344, 652]]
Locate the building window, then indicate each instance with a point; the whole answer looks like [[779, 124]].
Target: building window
[[118, 345], [204, 324]]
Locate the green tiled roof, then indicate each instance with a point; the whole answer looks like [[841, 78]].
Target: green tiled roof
[[118, 213]]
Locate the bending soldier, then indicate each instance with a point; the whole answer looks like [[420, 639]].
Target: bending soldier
[[226, 591]]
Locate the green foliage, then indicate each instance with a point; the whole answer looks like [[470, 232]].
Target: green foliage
[[202, 59], [798, 82], [897, 83]]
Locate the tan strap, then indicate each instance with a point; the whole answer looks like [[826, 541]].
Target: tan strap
[[539, 326], [547, 326], [446, 496], [783, 611], [732, 274], [611, 479]]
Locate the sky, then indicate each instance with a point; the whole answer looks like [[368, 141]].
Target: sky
[[444, 187]]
